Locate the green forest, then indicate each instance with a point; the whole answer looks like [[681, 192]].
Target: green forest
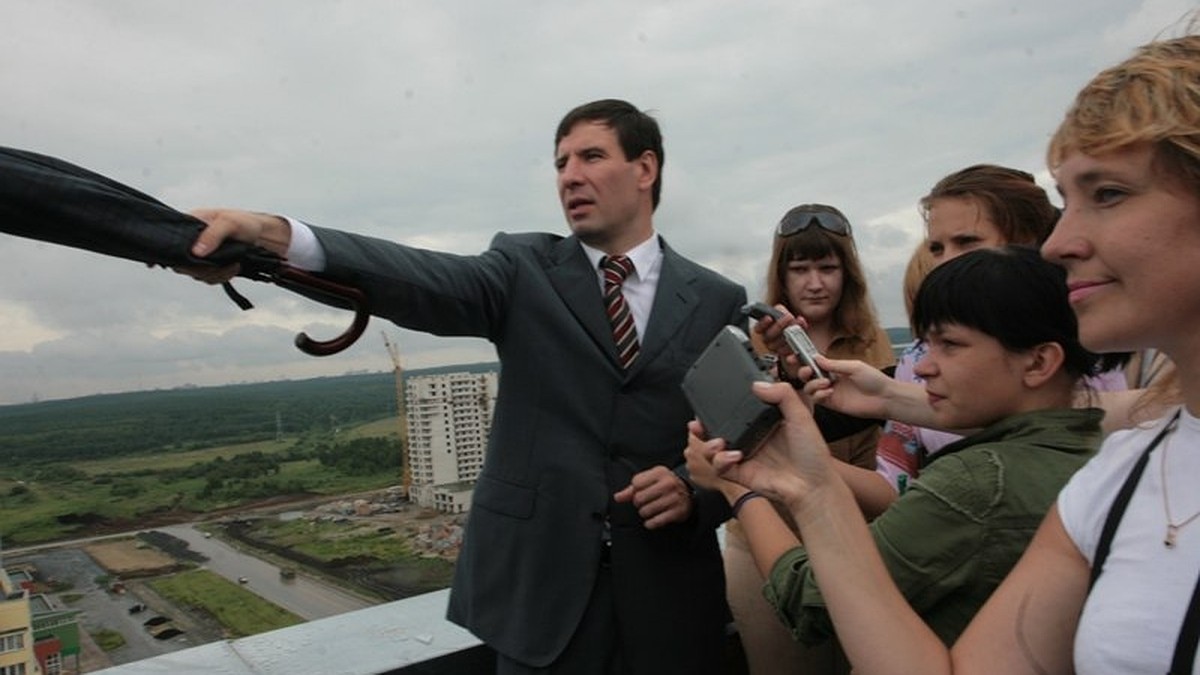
[[110, 425]]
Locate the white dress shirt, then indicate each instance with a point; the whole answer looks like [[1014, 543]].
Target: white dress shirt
[[639, 288]]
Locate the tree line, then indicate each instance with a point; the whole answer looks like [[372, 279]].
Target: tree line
[[190, 418]]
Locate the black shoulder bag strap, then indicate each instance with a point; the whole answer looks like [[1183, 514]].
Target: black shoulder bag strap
[[1189, 636], [1117, 510], [1189, 633]]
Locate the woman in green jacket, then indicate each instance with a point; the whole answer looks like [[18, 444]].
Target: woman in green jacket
[[1004, 357]]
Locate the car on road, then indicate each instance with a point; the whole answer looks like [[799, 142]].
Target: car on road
[[137, 607], [167, 633]]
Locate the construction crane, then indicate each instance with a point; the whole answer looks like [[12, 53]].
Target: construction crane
[[406, 455]]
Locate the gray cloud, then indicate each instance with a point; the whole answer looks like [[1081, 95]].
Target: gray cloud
[[431, 123]]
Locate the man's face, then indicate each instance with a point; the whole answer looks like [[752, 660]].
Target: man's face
[[605, 197]]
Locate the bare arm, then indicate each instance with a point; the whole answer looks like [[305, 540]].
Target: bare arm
[[872, 491], [864, 391], [1028, 624], [767, 535]]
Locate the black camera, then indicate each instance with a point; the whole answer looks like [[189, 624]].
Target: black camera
[[718, 385]]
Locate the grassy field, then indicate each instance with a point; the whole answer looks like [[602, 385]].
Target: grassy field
[[238, 610], [385, 427], [108, 640], [379, 558], [133, 491], [161, 461], [330, 542]]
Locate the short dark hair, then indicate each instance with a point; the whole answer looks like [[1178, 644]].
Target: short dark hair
[[636, 131], [1010, 293]]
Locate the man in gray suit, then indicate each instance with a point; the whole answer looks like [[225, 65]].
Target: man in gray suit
[[586, 549]]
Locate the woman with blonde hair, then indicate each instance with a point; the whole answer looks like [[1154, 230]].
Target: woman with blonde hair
[[919, 264]]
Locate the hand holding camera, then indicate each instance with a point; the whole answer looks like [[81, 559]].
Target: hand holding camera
[[718, 385]]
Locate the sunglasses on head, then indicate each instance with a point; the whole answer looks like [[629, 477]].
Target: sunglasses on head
[[799, 221]]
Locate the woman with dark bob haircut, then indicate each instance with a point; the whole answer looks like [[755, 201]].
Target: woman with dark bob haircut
[[1003, 357]]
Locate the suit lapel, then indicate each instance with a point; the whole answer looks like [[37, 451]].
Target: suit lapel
[[578, 285], [674, 302]]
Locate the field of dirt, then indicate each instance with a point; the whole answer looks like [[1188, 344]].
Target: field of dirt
[[130, 558]]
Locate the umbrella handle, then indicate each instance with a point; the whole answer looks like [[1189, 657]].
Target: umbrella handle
[[353, 296]]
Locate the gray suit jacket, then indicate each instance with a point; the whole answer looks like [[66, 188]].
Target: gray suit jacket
[[570, 429]]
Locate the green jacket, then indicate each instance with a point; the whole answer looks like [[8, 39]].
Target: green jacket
[[959, 529]]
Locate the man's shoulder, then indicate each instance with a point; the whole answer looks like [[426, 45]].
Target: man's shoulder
[[690, 268], [546, 248], [534, 240]]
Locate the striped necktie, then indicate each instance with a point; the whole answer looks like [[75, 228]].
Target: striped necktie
[[616, 269]]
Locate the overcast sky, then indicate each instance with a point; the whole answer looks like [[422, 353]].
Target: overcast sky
[[430, 122]]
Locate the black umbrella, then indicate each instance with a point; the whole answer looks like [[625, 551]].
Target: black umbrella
[[50, 200]]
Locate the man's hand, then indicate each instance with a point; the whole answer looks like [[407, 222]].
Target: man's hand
[[660, 496], [258, 229]]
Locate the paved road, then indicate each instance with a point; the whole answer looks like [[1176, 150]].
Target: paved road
[[303, 595], [69, 543]]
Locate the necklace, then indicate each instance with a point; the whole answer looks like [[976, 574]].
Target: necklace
[[1172, 527]]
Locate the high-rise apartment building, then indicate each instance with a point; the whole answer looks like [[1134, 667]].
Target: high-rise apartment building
[[449, 416]]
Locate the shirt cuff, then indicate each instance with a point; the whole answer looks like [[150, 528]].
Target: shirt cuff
[[304, 251]]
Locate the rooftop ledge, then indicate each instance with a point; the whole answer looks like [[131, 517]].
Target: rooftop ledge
[[406, 636]]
